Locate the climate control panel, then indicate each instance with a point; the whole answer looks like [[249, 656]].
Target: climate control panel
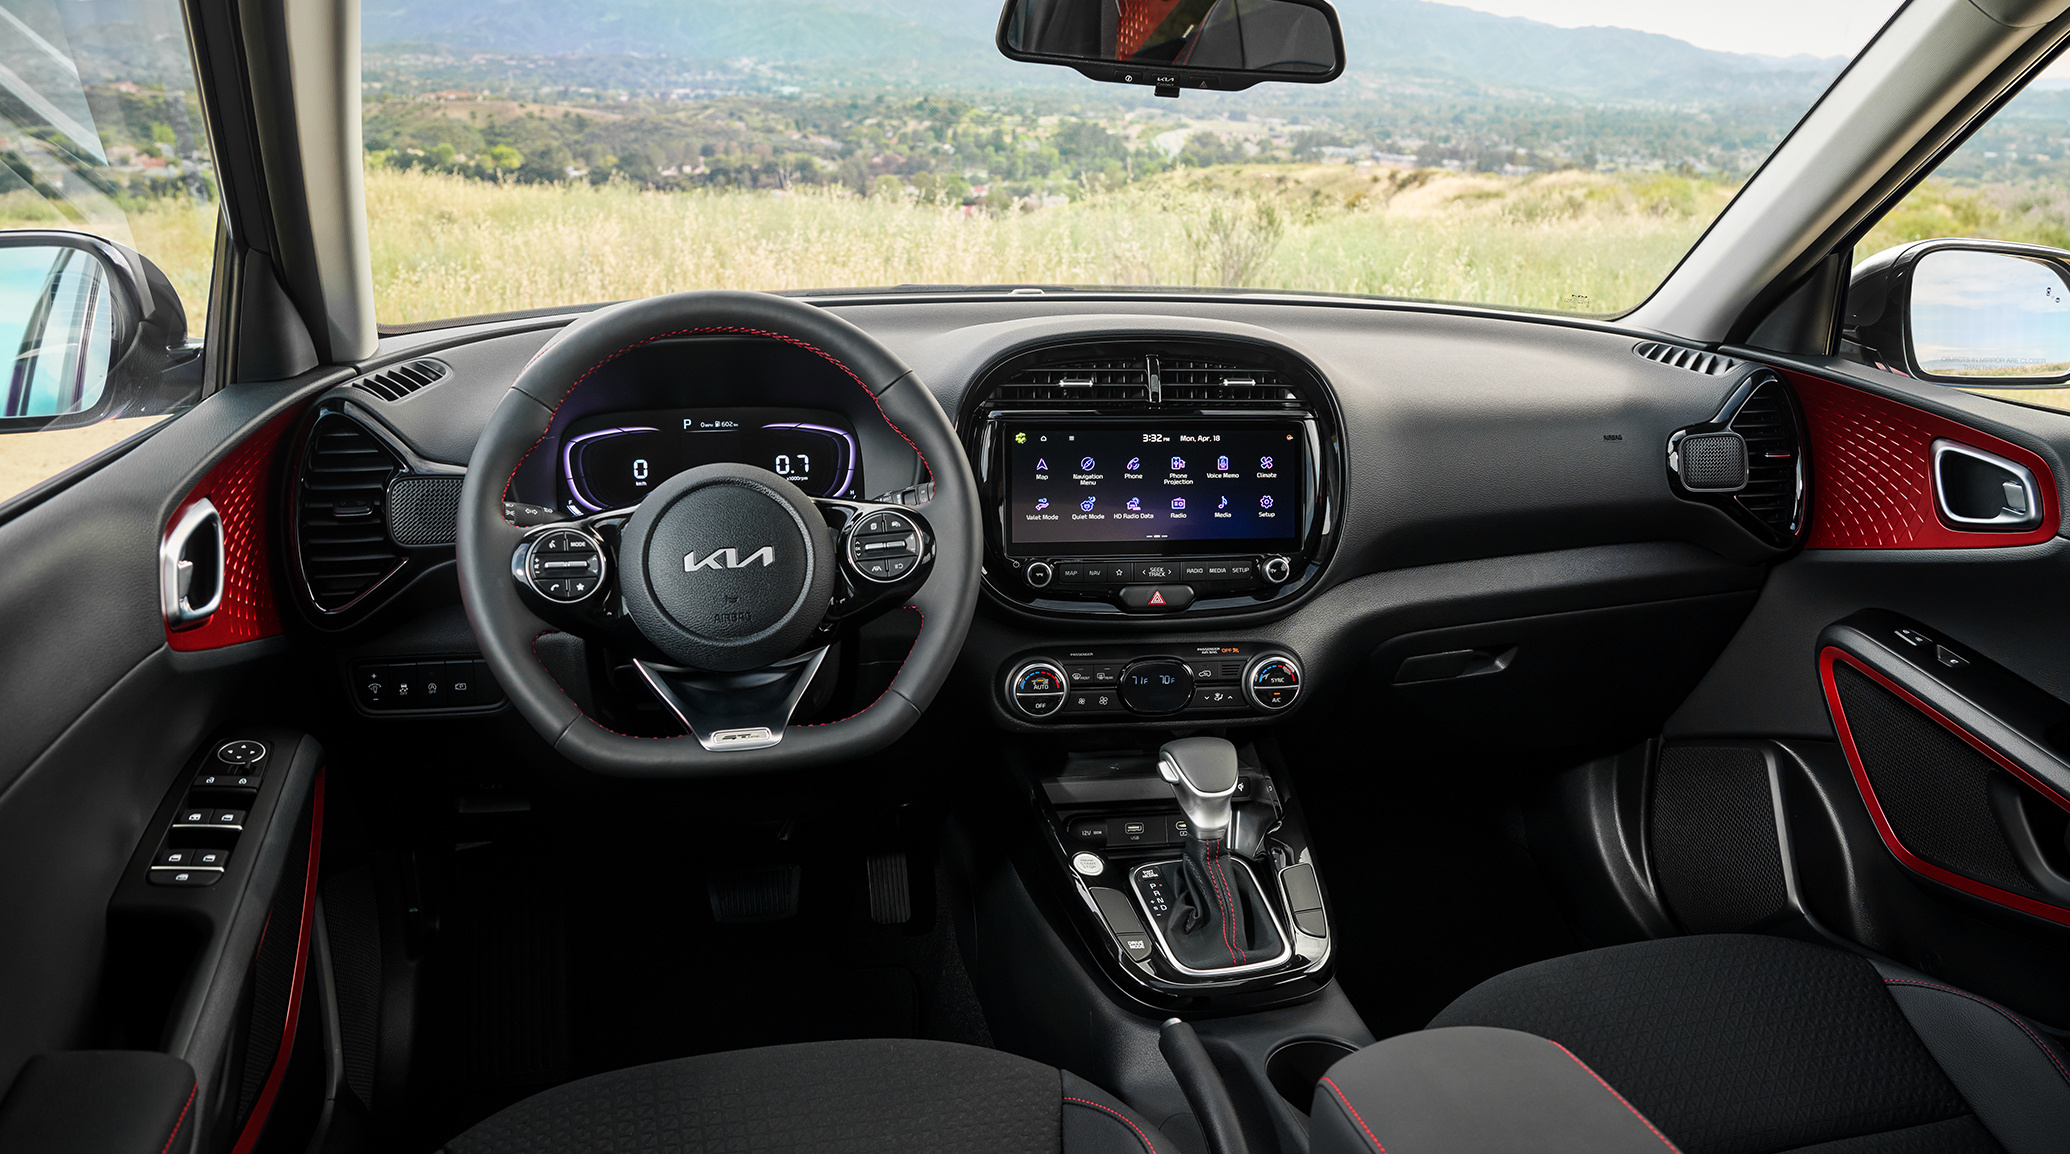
[[1189, 681]]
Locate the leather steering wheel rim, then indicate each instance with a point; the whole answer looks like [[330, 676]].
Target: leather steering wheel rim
[[508, 631]]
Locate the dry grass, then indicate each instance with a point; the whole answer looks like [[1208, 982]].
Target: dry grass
[[178, 236], [445, 246]]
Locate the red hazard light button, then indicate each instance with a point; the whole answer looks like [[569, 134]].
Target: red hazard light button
[[1156, 598]]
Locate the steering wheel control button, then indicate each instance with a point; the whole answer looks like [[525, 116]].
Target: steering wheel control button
[[1088, 864], [1157, 686], [243, 751], [1038, 574], [883, 546], [1156, 598], [1037, 688], [1273, 681], [566, 565]]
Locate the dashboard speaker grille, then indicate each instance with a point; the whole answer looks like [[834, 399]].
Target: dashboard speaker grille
[[399, 381], [341, 530], [424, 510], [1774, 492], [1714, 462]]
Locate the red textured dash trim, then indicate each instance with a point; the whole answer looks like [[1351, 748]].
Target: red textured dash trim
[[1872, 472], [241, 487]]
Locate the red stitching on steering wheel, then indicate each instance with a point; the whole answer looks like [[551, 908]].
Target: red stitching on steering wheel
[[785, 338]]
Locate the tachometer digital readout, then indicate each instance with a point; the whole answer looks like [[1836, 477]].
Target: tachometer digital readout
[[1092, 486], [614, 462]]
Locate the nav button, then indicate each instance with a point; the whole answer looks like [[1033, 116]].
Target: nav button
[[1157, 598]]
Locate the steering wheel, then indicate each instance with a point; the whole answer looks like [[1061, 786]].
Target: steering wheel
[[726, 582]]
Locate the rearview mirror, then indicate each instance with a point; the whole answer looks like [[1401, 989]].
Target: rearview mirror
[[89, 328], [1222, 45], [1967, 312]]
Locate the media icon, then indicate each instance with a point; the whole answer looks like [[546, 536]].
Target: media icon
[[1264, 462], [1178, 504], [1041, 503], [1134, 463], [1135, 504], [1178, 464], [1086, 505], [1086, 463], [1265, 501], [1224, 503], [1221, 464]]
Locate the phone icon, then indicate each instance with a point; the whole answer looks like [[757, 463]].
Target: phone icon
[[1134, 463]]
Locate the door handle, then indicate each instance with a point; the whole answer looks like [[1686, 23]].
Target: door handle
[[1982, 492], [190, 566]]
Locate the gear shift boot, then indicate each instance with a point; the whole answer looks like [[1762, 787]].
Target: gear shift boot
[[1208, 911]]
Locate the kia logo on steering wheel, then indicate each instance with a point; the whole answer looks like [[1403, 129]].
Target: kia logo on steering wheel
[[729, 558]]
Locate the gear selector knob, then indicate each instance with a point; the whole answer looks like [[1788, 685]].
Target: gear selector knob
[[1202, 772]]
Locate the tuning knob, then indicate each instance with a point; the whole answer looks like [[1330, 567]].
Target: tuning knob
[[1278, 569]]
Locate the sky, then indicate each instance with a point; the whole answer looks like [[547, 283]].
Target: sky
[[1771, 27]]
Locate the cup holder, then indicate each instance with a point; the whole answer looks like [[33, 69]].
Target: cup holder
[[1296, 1067]]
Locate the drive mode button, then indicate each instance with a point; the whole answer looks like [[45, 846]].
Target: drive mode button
[[1156, 598]]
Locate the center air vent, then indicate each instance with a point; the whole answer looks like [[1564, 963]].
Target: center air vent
[[399, 381], [1208, 382], [341, 523], [1117, 380]]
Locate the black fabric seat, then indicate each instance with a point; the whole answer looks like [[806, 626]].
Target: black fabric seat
[[1737, 1044], [866, 1097]]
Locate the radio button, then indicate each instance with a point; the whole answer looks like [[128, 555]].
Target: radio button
[[1157, 598], [1195, 570]]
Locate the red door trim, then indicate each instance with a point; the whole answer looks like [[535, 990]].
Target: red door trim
[[1833, 654], [255, 1125]]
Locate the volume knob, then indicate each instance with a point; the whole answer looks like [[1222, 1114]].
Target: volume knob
[[1038, 575]]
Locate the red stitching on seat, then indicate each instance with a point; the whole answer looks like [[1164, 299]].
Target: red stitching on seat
[[1348, 1109], [1142, 1137], [1620, 1098], [177, 1121], [785, 338], [2008, 1015]]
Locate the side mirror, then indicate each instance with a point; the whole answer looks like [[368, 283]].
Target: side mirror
[[1223, 45], [1965, 312], [91, 330]]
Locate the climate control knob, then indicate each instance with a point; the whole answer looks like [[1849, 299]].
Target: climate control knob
[[1272, 681], [1036, 688]]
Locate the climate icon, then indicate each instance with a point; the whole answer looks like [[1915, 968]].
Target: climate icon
[[1264, 462]]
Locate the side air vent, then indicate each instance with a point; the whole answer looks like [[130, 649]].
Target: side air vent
[[1695, 360], [399, 381], [1116, 380], [1198, 382], [1774, 492], [341, 523]]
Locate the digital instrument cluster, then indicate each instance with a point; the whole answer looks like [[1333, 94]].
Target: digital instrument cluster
[[613, 461]]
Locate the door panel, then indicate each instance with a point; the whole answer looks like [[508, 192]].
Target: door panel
[[102, 712]]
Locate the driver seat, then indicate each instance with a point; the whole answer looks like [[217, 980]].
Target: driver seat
[[862, 1097]]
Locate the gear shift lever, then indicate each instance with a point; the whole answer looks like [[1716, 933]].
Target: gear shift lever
[[1202, 771], [1216, 919]]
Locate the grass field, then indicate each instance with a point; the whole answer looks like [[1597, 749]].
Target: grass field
[[446, 246]]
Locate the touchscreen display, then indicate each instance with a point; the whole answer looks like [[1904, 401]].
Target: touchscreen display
[[1151, 489]]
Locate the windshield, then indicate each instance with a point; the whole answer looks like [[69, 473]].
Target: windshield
[[1539, 154]]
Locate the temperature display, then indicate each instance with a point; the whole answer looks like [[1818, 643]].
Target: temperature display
[[614, 462]]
